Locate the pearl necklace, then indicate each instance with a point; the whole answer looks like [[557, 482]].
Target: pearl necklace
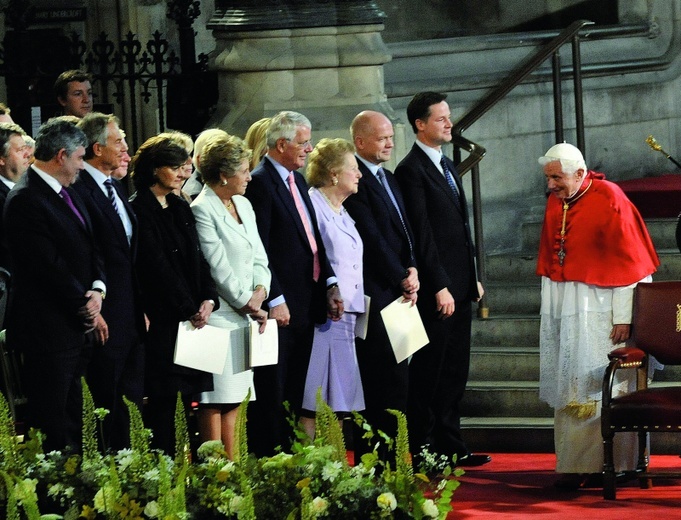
[[336, 209]]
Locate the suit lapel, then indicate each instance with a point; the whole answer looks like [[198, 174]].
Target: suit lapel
[[103, 202], [58, 204], [438, 177], [373, 184], [287, 199], [218, 208]]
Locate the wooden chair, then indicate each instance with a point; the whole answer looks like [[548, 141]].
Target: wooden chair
[[10, 363], [656, 331]]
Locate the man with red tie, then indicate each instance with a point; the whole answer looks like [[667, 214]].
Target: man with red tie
[[304, 288]]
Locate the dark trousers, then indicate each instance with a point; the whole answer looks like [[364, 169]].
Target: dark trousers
[[267, 418], [386, 385], [117, 370], [438, 374], [159, 416], [52, 384]]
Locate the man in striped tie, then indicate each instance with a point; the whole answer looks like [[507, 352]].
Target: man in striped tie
[[117, 366], [437, 210]]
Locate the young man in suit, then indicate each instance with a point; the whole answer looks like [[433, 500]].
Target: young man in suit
[[437, 210], [58, 283], [304, 288], [389, 271], [73, 89], [117, 366]]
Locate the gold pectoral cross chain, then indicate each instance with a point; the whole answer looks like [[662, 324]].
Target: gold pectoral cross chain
[[566, 207]]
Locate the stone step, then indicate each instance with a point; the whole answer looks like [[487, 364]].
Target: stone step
[[505, 330], [504, 364], [513, 298], [534, 435], [521, 267], [508, 434], [512, 363], [503, 399]]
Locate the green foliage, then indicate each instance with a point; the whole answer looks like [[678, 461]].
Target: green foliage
[[313, 481], [328, 430], [182, 450], [139, 435], [89, 428], [240, 436], [10, 460]]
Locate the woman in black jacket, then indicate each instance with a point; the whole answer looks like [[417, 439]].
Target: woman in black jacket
[[175, 280]]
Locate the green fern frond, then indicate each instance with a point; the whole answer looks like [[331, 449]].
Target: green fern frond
[[182, 448], [306, 504], [10, 460], [90, 453], [139, 435], [240, 433], [402, 456], [11, 506], [328, 429]]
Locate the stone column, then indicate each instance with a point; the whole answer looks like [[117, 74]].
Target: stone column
[[323, 58]]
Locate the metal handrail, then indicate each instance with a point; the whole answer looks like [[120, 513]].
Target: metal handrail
[[476, 152]]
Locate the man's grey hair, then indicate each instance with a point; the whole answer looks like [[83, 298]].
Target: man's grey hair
[[95, 125], [55, 135], [7, 130], [284, 126]]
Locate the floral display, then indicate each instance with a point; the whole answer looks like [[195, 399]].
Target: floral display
[[314, 481]]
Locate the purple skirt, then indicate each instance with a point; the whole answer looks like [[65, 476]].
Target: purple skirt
[[333, 367]]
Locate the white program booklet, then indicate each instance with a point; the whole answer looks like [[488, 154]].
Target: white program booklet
[[263, 348], [404, 327], [362, 322], [203, 349]]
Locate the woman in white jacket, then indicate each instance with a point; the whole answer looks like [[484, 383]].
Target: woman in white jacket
[[232, 247]]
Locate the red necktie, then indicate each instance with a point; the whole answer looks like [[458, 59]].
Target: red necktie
[[316, 270]]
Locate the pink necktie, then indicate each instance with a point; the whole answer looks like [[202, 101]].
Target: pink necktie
[[316, 270]]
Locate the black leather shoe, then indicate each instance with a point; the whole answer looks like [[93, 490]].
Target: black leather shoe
[[472, 460]]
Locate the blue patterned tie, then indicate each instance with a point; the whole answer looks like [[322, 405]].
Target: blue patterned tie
[[450, 180], [110, 190], [384, 182]]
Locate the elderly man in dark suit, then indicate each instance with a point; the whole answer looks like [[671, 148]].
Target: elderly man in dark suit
[[303, 289], [116, 369], [14, 161], [58, 283], [389, 270], [436, 205]]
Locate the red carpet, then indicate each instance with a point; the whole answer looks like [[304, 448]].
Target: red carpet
[[655, 197], [521, 486]]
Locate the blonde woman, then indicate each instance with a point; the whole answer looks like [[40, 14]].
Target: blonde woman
[[231, 244], [333, 173]]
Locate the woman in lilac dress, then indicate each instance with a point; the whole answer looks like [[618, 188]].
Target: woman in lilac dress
[[333, 174]]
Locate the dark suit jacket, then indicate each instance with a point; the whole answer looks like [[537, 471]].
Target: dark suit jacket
[[122, 308], [55, 262], [287, 246], [4, 253], [443, 236], [386, 248], [175, 278]]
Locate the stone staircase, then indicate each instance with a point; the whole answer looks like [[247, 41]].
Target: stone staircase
[[501, 408]]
